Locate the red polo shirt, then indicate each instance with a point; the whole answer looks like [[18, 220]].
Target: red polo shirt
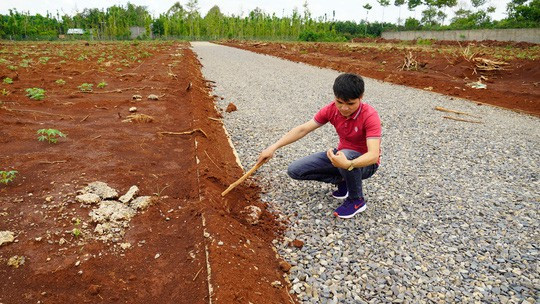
[[353, 132]]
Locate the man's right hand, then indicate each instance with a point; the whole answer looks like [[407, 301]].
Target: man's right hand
[[266, 154]]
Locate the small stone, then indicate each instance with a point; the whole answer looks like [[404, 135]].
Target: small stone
[[16, 261], [253, 214], [220, 243], [133, 109], [132, 192], [136, 97], [6, 237], [153, 97], [49, 199], [231, 108], [157, 256], [276, 284], [125, 245], [77, 263]]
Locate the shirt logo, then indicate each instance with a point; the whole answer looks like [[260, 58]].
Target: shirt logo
[[355, 129]]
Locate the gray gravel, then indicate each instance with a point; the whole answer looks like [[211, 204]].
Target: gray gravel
[[453, 212]]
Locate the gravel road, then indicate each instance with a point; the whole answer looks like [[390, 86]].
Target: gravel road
[[453, 211]]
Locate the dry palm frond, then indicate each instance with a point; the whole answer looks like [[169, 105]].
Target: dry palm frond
[[484, 64], [467, 53], [139, 118]]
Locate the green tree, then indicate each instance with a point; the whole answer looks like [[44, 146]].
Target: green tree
[[367, 7], [383, 4]]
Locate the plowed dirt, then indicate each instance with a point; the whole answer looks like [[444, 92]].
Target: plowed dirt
[[190, 246]]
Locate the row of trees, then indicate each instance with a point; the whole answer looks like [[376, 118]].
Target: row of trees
[[187, 22]]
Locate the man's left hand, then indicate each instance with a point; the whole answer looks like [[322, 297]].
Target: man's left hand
[[339, 160]]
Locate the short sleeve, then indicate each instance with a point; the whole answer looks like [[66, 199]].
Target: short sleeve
[[373, 126], [322, 117]]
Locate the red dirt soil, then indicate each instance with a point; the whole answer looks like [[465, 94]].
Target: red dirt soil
[[186, 173], [443, 67]]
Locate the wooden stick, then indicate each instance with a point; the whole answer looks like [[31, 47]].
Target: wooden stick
[[197, 274], [455, 112], [243, 178], [211, 159], [216, 119], [460, 119], [183, 133], [53, 162], [38, 112], [84, 118]]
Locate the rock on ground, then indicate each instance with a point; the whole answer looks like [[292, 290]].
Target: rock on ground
[[101, 189], [132, 192], [253, 214], [88, 198], [111, 211], [16, 261], [6, 237], [142, 202]]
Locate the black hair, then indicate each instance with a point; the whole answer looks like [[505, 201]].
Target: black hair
[[348, 86]]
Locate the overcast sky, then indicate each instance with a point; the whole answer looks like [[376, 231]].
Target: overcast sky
[[345, 9]]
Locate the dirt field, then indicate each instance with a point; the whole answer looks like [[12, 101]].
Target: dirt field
[[188, 245], [509, 72]]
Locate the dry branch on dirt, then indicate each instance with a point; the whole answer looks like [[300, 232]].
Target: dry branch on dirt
[[483, 64], [139, 118], [183, 133], [409, 63], [37, 112]]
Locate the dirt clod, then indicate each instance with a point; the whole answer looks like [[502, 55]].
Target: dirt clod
[[283, 265], [297, 243], [231, 108], [94, 289]]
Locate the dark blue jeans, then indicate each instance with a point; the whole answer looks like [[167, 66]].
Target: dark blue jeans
[[318, 167]]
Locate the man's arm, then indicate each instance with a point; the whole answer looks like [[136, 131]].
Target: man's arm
[[293, 135], [371, 157]]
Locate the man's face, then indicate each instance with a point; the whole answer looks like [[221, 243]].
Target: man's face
[[346, 108]]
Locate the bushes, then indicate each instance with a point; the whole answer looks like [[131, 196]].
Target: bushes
[[309, 35]]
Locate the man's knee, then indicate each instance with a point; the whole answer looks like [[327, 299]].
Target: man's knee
[[294, 171]]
